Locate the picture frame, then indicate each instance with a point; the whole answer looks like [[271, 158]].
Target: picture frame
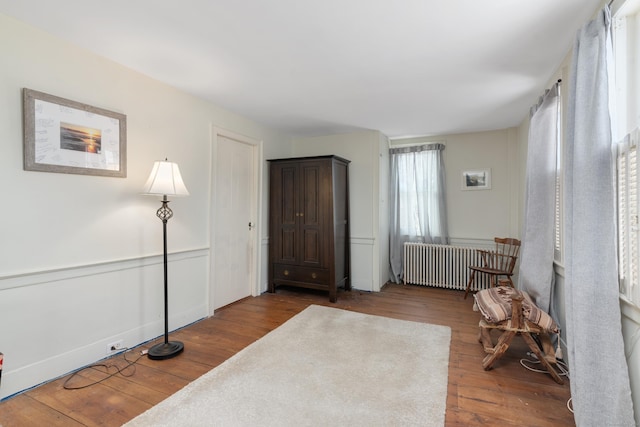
[[65, 136], [476, 179]]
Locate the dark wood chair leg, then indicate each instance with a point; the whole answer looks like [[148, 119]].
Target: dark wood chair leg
[[473, 274]]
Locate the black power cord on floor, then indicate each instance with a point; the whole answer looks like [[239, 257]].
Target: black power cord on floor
[[107, 369]]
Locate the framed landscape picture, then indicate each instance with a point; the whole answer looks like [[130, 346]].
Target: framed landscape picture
[[66, 136], [477, 179]]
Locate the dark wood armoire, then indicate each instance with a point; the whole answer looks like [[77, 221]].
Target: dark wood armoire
[[309, 223]]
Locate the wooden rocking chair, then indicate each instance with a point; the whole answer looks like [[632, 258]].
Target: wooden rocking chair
[[496, 263], [518, 324]]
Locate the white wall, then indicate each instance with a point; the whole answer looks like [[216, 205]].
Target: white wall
[[81, 264], [476, 217]]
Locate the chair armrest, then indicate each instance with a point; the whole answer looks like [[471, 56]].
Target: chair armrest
[[498, 261], [484, 255]]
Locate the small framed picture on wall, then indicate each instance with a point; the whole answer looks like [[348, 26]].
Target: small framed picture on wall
[[476, 179]]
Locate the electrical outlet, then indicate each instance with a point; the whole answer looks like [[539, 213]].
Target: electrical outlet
[[115, 347]]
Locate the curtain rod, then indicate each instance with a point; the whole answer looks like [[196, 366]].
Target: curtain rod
[[535, 107]]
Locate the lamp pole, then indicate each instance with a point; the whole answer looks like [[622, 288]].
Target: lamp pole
[[167, 349], [165, 180]]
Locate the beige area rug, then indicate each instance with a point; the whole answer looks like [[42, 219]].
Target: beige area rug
[[323, 367]]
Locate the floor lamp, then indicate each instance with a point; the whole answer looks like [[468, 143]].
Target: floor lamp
[[165, 180]]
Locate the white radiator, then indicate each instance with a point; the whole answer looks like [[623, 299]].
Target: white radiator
[[442, 266]]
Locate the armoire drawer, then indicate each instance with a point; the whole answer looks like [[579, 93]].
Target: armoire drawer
[[300, 274]]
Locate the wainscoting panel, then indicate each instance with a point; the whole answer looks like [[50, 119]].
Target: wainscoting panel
[[362, 263], [54, 322]]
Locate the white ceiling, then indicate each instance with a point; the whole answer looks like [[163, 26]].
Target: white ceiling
[[404, 67]]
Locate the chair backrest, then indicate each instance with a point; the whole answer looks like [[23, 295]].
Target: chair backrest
[[507, 250]]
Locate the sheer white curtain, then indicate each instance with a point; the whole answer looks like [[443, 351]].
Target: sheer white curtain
[[417, 200], [536, 275], [599, 375]]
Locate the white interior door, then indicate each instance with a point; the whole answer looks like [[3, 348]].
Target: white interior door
[[233, 258]]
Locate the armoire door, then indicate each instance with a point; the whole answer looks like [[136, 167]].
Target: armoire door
[[310, 219], [284, 213], [295, 211]]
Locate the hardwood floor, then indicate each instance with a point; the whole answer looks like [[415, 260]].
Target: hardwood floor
[[508, 395]]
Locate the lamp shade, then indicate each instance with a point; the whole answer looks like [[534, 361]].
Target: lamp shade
[[165, 180]]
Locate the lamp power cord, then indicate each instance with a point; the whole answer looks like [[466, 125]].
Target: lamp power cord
[[107, 369]]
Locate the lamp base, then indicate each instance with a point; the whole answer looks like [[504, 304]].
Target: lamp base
[[165, 350]]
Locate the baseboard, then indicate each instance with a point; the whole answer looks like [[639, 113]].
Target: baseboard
[[43, 371]]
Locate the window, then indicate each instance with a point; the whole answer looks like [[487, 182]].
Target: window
[[417, 200], [417, 186], [626, 51], [628, 259], [557, 229], [419, 194]]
